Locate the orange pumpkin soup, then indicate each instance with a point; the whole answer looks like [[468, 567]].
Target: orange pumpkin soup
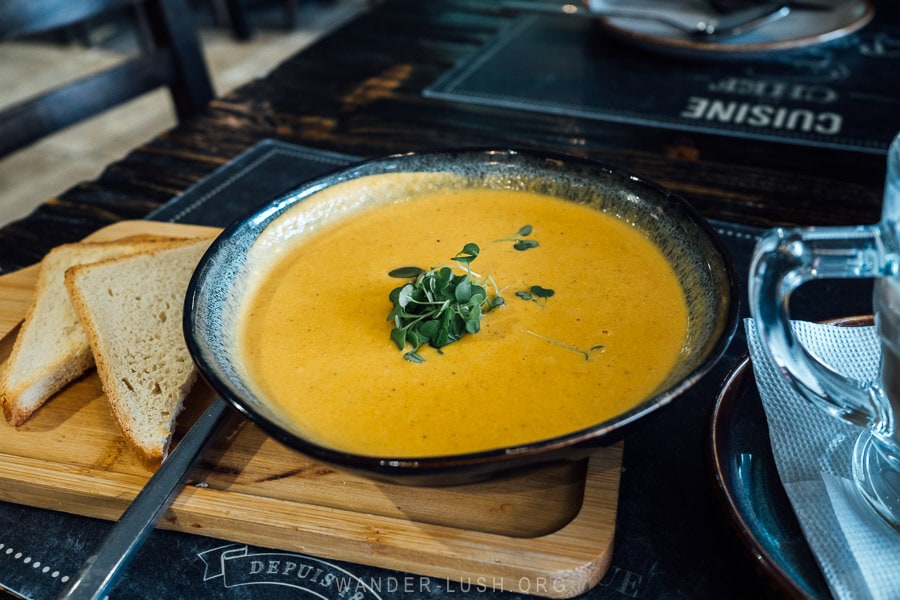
[[317, 339]]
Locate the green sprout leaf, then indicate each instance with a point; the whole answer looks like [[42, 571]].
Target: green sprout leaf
[[541, 292], [469, 253], [413, 357], [518, 242], [536, 294], [405, 272], [522, 245]]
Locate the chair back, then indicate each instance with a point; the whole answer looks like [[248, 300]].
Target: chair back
[[170, 56]]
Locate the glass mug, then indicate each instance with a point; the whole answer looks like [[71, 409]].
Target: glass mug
[[784, 260]]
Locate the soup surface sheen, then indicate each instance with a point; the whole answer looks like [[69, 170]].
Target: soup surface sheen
[[317, 341]]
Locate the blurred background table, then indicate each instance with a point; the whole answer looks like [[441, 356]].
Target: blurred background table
[[359, 92]]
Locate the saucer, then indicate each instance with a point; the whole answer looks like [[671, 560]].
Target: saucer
[[799, 29], [745, 475]]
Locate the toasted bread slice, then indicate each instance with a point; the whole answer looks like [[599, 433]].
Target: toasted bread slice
[[131, 309], [51, 348]]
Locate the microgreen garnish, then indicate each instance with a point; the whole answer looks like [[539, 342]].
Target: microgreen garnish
[[536, 294], [522, 245], [406, 272], [440, 306], [518, 242], [585, 353]]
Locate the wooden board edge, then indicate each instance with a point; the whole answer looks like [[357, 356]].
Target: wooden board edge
[[562, 564]]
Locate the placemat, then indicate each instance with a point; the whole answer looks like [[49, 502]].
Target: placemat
[[669, 541], [838, 95]]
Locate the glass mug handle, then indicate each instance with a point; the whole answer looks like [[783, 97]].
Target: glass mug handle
[[784, 260]]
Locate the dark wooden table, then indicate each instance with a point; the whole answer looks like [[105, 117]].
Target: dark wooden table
[[359, 92]]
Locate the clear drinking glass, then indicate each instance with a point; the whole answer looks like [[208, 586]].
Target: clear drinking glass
[[784, 260]]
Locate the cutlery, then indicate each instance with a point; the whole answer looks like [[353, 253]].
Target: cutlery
[[707, 27], [102, 569]]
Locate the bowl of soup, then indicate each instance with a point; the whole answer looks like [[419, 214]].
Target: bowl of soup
[[442, 317]]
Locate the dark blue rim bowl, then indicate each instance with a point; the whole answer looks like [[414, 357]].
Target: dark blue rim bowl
[[694, 249]]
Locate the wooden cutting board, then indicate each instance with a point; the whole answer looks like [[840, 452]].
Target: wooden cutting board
[[549, 531]]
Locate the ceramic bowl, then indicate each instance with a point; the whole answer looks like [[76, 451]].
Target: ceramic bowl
[[695, 251]]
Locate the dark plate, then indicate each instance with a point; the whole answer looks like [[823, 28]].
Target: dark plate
[[800, 29], [745, 474], [747, 478]]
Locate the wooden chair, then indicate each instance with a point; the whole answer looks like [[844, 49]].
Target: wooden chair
[[170, 56]]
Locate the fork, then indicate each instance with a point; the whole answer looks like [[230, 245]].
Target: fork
[[727, 6], [708, 27]]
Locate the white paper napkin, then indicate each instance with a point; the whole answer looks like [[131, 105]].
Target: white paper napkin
[[858, 552]]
